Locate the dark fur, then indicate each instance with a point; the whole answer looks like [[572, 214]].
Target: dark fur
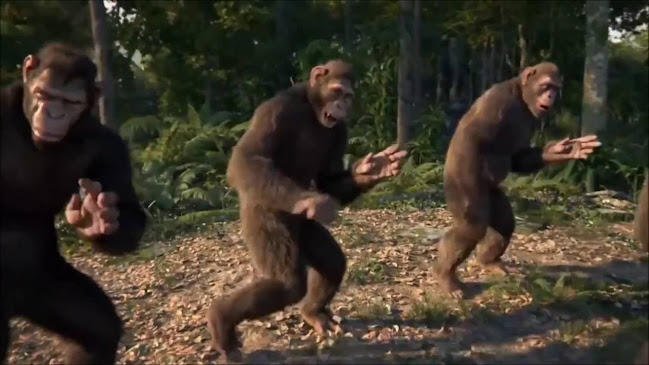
[[37, 283], [272, 168], [641, 223], [491, 140]]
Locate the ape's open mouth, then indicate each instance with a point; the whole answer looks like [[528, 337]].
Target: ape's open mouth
[[330, 118], [544, 107]]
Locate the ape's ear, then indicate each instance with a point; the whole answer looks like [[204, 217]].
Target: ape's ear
[[316, 73], [29, 64], [526, 74]]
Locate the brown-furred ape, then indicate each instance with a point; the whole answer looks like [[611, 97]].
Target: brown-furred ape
[[51, 147], [296, 138], [491, 140]]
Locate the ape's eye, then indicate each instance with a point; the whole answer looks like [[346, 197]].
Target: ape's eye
[[73, 102]]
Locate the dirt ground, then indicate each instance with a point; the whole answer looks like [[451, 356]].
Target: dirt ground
[[577, 294]]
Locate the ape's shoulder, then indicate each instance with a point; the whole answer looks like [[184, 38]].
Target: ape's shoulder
[[11, 99]]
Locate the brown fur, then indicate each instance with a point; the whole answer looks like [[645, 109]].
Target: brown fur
[[491, 140], [641, 223], [272, 168], [37, 283]]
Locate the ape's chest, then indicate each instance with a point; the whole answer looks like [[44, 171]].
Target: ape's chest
[[307, 152], [40, 181]]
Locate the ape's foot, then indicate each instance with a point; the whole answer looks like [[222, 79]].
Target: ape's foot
[[322, 321], [450, 284], [496, 268], [224, 338]]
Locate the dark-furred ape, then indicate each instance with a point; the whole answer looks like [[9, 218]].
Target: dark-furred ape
[[51, 147], [296, 138], [492, 139]]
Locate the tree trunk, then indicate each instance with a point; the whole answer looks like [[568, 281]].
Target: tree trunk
[[103, 50], [522, 45], [492, 62], [348, 26], [405, 83], [503, 44], [593, 115], [454, 62], [484, 66], [439, 93], [282, 42], [472, 72], [417, 71]]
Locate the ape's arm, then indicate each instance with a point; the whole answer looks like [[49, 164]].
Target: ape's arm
[[335, 180], [530, 160], [252, 169], [113, 170]]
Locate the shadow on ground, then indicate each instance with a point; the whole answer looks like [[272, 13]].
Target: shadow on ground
[[561, 309]]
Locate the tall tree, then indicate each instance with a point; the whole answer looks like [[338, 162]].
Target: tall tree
[[405, 84], [417, 58], [282, 41], [593, 114], [348, 26], [103, 50]]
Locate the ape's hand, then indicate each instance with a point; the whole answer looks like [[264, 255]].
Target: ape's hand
[[374, 168], [320, 208], [571, 149], [97, 214]]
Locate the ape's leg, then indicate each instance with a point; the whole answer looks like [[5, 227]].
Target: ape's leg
[[499, 233], [470, 210], [327, 265], [281, 282], [72, 305]]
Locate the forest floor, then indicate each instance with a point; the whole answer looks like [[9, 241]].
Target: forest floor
[[577, 294]]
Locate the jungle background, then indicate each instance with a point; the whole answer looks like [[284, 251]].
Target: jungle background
[[181, 80]]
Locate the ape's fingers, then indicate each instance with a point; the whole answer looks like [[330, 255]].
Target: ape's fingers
[[108, 214], [93, 188], [107, 199], [74, 203], [73, 210], [110, 228], [390, 150], [398, 155], [89, 204], [591, 144], [588, 138]]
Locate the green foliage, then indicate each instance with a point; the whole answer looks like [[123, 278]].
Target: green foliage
[[180, 162], [173, 56]]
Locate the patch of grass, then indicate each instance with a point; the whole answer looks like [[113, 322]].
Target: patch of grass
[[623, 345], [359, 240], [433, 312], [368, 272], [569, 331], [374, 310], [479, 315], [582, 296]]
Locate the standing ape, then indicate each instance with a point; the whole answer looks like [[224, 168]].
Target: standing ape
[[51, 146], [492, 139], [296, 138]]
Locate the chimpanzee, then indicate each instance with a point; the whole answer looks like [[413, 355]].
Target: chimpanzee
[[52, 146], [296, 138], [492, 139]]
